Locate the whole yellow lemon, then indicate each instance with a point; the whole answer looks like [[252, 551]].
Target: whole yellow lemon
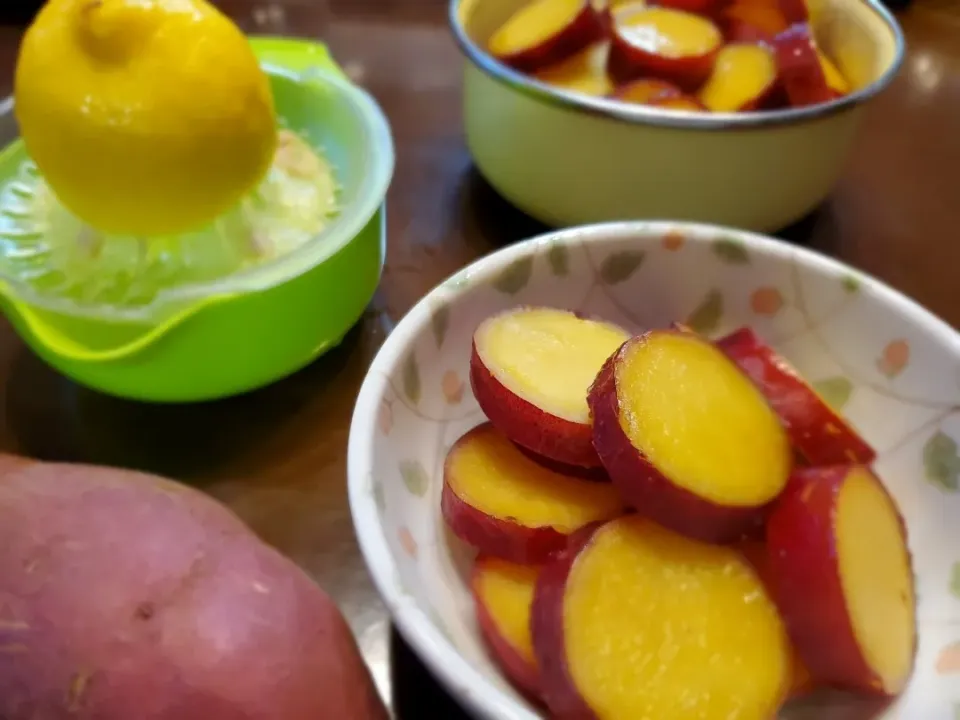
[[144, 116]]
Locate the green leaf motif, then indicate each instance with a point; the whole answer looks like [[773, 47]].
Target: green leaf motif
[[379, 496], [411, 379], [851, 284], [941, 462], [515, 276], [459, 280], [955, 580], [439, 323], [620, 266], [414, 477], [836, 391], [731, 250], [558, 257], [956, 712], [707, 316]]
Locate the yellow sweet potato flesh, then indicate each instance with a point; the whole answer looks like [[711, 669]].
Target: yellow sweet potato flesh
[[700, 421], [660, 626], [532, 24], [876, 578], [506, 590], [489, 473], [548, 357]]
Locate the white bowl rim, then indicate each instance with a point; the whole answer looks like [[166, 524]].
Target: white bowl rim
[[466, 683], [686, 119]]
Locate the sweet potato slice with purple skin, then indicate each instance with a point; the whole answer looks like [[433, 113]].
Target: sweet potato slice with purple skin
[[686, 437], [545, 32], [801, 74], [503, 595], [530, 370], [700, 7], [752, 21], [645, 91], [585, 72], [506, 505], [658, 42], [841, 573], [817, 432], [597, 474], [795, 11], [743, 79], [634, 620], [755, 552], [836, 80]]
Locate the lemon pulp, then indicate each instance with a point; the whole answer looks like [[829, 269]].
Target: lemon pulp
[[62, 258]]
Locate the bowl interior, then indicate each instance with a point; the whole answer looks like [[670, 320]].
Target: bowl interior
[[857, 37], [892, 368]]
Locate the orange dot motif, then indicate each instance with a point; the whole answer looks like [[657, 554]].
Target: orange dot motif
[[895, 358], [766, 301]]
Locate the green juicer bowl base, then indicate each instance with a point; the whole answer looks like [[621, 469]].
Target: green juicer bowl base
[[246, 331], [239, 344]]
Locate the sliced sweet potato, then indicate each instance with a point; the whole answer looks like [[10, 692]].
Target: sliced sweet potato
[[801, 74], [801, 682], [743, 77], [662, 43], [646, 91], [817, 432], [585, 72], [657, 93], [752, 21], [687, 437], [545, 32], [635, 621], [795, 11], [625, 6], [508, 506], [596, 474], [841, 574], [701, 7], [503, 596], [530, 371], [738, 31], [835, 79]]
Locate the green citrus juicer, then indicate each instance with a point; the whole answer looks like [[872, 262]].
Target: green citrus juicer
[[224, 335]]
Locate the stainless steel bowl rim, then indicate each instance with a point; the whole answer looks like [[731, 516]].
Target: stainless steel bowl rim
[[678, 119]]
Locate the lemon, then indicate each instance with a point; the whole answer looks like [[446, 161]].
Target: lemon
[[144, 116]]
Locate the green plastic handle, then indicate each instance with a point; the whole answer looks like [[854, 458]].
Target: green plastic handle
[[302, 56], [57, 342], [290, 54]]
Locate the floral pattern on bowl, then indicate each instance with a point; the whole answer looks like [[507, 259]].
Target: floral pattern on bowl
[[889, 365]]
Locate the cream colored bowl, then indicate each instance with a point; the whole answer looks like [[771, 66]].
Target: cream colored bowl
[[888, 365], [569, 159]]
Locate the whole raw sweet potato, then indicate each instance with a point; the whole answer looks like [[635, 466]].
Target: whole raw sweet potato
[[128, 597]]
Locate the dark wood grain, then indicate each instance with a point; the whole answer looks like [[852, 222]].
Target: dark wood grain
[[278, 456]]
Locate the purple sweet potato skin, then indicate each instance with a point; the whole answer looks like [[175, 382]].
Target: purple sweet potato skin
[[124, 596]]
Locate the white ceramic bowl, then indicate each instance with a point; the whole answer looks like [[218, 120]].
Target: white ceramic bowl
[[892, 366], [569, 159]]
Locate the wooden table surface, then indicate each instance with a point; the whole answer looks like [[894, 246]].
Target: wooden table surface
[[277, 457]]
